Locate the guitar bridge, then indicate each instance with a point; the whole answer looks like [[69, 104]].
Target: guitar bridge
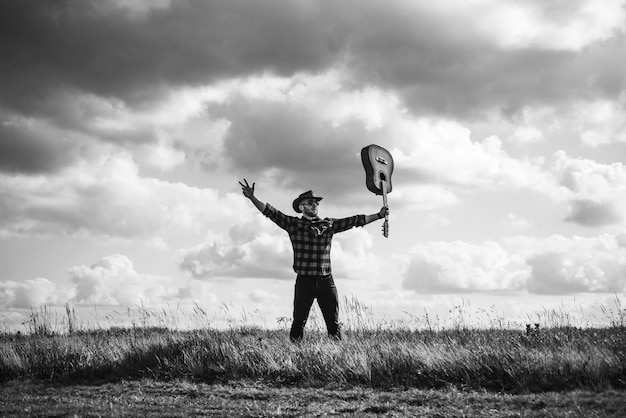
[[381, 160]]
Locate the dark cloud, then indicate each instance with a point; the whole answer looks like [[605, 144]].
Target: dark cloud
[[54, 51], [95, 47], [303, 150], [441, 66], [34, 147], [437, 63], [593, 214], [72, 64]]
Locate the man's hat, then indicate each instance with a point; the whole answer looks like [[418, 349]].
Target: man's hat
[[304, 196]]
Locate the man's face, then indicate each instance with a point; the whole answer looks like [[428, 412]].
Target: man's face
[[309, 207]]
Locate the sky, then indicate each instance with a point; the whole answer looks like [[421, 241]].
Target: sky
[[125, 127]]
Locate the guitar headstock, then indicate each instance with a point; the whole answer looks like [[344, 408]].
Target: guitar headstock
[[386, 229]]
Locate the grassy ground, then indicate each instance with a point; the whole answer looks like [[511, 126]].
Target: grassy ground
[[376, 370], [149, 398], [498, 360]]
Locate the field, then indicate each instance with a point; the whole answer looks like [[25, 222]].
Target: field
[[150, 398], [251, 371]]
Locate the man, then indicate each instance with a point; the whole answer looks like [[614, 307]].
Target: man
[[311, 241]]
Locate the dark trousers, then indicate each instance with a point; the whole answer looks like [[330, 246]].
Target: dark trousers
[[307, 289]]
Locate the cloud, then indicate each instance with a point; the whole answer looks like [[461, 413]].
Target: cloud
[[451, 57], [353, 255], [262, 297], [259, 249], [443, 152], [162, 155], [558, 26], [255, 249], [74, 125], [456, 267], [552, 265], [36, 146], [464, 58], [517, 222], [594, 214], [306, 131], [31, 293], [299, 129], [596, 122], [107, 197], [94, 95], [114, 281], [595, 191], [134, 49], [293, 87], [579, 264], [601, 122]]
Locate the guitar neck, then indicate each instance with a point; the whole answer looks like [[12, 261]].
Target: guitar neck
[[383, 186]]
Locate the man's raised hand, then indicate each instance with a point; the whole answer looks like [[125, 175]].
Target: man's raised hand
[[248, 191]]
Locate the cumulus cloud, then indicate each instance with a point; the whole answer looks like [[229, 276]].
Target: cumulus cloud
[[162, 155], [552, 265], [75, 125], [252, 249], [579, 265], [106, 198], [601, 122], [353, 254], [559, 26], [259, 249], [440, 267], [443, 152], [594, 190], [302, 130], [114, 281], [31, 293], [310, 129]]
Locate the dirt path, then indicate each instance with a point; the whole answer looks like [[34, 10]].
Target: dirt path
[[185, 399]]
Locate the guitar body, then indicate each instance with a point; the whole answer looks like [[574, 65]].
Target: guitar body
[[378, 164]]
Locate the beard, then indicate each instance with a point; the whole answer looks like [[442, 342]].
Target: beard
[[310, 212]]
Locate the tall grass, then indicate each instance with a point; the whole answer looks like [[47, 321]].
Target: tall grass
[[371, 354]]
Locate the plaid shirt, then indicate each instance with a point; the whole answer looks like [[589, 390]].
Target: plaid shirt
[[311, 240]]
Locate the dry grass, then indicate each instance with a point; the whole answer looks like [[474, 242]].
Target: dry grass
[[371, 354]]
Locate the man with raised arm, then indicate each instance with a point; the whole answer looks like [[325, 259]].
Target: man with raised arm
[[311, 239]]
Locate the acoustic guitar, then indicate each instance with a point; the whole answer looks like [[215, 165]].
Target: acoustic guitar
[[378, 164]]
